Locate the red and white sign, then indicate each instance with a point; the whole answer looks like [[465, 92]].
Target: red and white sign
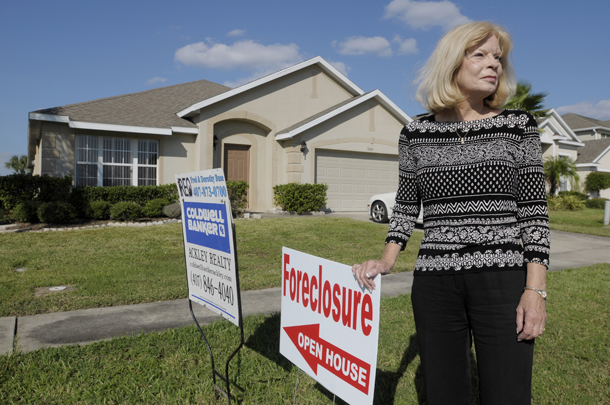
[[330, 325]]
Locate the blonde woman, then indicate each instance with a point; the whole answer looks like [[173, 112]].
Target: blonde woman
[[481, 269]]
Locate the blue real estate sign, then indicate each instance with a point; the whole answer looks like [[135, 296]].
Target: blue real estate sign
[[208, 242]]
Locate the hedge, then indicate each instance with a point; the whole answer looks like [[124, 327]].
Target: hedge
[[300, 198], [19, 188]]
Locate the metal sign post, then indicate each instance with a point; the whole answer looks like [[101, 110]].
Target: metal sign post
[[210, 253]]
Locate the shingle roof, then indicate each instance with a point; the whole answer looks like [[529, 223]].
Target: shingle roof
[[592, 150], [576, 121], [151, 108]]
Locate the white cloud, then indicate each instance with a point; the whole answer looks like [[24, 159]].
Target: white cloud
[[599, 110], [406, 46], [247, 55], [426, 14], [341, 67], [236, 33], [157, 79], [362, 45]]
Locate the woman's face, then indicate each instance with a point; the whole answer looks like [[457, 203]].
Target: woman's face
[[481, 69]]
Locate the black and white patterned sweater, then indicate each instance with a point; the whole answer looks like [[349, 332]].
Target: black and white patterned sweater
[[484, 200]]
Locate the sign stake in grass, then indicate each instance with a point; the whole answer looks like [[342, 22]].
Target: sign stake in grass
[[211, 259]]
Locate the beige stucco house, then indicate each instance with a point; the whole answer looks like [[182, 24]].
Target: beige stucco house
[[558, 139], [307, 124], [594, 156]]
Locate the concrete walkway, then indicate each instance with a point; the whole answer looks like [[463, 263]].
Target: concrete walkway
[[92, 325]]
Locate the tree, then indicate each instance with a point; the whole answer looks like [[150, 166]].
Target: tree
[[524, 100], [18, 164], [597, 181], [557, 167]]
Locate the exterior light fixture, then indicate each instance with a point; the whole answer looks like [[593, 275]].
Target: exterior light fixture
[[303, 146], [215, 141]]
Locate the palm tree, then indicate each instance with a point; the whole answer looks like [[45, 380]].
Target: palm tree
[[524, 100], [557, 167], [18, 164]]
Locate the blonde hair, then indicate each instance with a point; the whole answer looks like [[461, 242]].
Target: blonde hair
[[437, 89]]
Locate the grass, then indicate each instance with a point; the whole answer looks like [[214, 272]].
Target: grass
[[119, 266], [173, 367], [588, 220]]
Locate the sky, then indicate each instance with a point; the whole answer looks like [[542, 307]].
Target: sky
[[59, 52]]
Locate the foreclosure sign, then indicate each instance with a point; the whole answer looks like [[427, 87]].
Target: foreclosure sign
[[330, 325], [208, 242]]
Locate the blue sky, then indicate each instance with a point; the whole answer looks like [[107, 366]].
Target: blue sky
[[62, 52]]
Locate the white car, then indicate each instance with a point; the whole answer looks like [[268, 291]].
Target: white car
[[381, 205]]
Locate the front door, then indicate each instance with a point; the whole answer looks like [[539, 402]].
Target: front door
[[236, 162]]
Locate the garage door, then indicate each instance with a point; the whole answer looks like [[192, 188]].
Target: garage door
[[353, 178]]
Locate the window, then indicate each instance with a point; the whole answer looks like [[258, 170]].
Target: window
[[118, 162], [86, 160]]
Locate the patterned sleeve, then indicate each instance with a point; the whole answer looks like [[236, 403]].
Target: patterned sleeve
[[406, 209], [532, 211]]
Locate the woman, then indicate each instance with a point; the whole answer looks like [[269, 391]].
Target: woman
[[477, 169]]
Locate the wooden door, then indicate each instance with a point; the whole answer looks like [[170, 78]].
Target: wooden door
[[236, 162]]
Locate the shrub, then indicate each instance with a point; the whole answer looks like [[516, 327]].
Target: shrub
[[26, 211], [566, 202], [125, 210], [580, 195], [572, 203], [172, 210], [597, 181], [300, 198], [99, 210], [19, 188], [56, 212], [238, 196], [154, 208], [596, 203]]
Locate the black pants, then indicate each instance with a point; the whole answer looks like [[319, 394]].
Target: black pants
[[448, 310]]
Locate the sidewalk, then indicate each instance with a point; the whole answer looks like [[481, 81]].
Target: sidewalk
[[92, 325]]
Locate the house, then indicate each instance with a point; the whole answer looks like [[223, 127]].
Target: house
[[307, 124], [558, 139], [594, 156]]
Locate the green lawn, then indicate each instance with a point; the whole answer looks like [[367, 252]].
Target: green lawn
[[118, 266], [589, 221], [173, 367]]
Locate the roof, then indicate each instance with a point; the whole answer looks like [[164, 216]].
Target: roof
[[154, 108], [593, 150], [576, 121], [337, 109]]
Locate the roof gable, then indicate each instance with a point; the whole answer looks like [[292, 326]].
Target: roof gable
[[562, 130], [335, 110], [324, 65]]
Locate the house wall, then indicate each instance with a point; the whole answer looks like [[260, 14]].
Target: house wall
[[55, 152], [586, 135], [263, 111], [367, 128]]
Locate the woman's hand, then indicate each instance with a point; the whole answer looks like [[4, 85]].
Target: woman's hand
[[531, 315], [367, 271], [531, 312]]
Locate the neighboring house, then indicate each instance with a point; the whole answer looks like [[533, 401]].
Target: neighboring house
[[306, 124], [558, 139], [594, 157], [587, 129]]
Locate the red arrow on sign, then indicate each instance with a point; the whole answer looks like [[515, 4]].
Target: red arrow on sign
[[318, 352]]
